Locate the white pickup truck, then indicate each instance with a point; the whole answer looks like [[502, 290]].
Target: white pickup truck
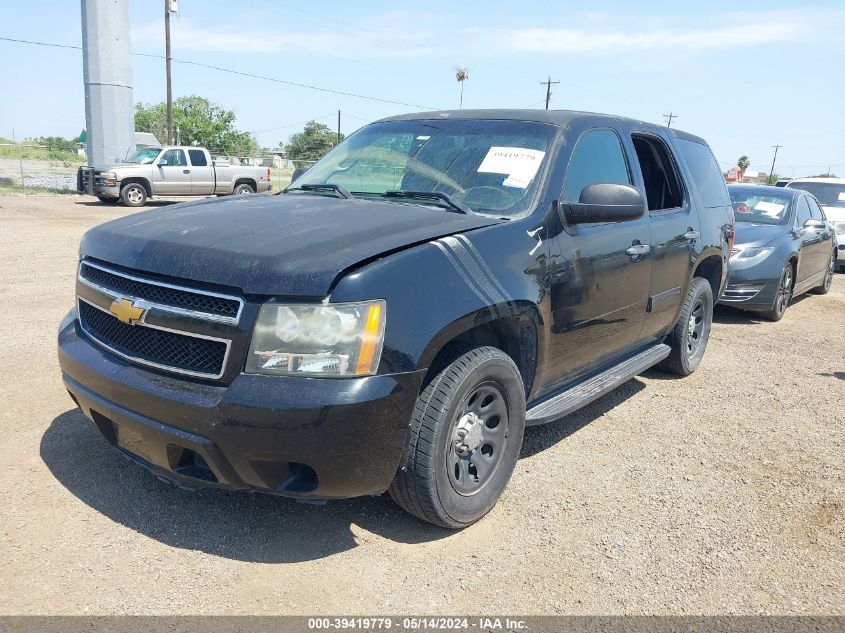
[[170, 171]]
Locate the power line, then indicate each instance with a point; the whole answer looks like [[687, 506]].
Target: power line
[[232, 71]]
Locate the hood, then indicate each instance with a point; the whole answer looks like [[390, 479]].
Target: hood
[[290, 244], [758, 234]]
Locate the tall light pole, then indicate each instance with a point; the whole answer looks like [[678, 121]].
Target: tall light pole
[[772, 170], [169, 7]]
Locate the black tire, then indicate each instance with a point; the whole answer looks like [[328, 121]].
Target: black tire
[[689, 337], [243, 189], [133, 195], [108, 199], [824, 287], [783, 295], [472, 413]]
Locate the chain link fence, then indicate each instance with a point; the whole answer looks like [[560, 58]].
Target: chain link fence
[[35, 168]]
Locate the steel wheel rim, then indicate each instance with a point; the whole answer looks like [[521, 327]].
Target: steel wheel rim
[[695, 327], [134, 195], [785, 290], [477, 439], [242, 191]]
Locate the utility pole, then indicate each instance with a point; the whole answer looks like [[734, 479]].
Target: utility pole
[[338, 128], [772, 170], [548, 84], [168, 60], [669, 118]]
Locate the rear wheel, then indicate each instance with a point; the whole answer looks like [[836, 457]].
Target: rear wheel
[[465, 437], [689, 337], [783, 295], [824, 287], [133, 195], [243, 190]]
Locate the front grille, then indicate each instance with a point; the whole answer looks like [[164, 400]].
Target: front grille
[[162, 294], [165, 349]]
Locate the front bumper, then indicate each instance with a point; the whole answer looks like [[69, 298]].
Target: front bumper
[[293, 436], [751, 288]]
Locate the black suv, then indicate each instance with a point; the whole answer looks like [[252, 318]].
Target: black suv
[[397, 316]]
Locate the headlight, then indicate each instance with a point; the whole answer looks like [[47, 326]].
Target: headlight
[[750, 255], [110, 177], [340, 339], [839, 227]]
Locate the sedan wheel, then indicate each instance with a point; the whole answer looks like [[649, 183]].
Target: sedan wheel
[[783, 296], [824, 288]]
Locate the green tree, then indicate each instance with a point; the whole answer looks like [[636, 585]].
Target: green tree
[[743, 162], [772, 179], [199, 122], [825, 175], [312, 143]]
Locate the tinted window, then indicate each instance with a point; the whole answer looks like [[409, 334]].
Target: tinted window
[[705, 171], [830, 194], [662, 188], [815, 210], [174, 157], [803, 211], [597, 159], [197, 157]]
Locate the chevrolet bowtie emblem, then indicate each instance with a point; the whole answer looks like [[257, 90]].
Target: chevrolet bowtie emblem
[[126, 311]]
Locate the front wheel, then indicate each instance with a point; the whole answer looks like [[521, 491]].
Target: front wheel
[[133, 195], [466, 433], [689, 337], [243, 190], [783, 295], [824, 287]]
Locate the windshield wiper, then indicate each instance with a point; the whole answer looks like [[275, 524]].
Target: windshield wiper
[[429, 195], [341, 191]]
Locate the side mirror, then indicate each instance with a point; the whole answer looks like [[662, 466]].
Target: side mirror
[[812, 223], [605, 203], [297, 173], [162, 163]]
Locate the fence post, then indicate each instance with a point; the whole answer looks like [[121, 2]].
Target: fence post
[[20, 156]]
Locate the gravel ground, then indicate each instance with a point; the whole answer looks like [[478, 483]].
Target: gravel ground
[[720, 493]]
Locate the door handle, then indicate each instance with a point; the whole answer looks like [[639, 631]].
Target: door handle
[[638, 250], [692, 234], [186, 171]]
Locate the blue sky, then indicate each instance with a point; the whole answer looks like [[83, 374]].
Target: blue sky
[[745, 76]]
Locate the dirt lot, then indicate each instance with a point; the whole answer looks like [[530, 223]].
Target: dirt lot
[[719, 493]]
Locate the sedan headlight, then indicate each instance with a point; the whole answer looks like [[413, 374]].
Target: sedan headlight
[[839, 227], [339, 339], [752, 255]]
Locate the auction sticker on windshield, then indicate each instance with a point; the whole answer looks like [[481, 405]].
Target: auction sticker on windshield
[[519, 164]]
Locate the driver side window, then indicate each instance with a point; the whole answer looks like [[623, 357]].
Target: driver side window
[[803, 214], [174, 158], [598, 158]]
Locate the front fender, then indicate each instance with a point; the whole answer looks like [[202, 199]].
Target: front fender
[[440, 289]]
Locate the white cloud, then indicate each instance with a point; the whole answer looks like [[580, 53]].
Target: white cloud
[[740, 32], [188, 35]]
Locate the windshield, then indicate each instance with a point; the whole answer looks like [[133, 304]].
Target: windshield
[[145, 155], [757, 207], [830, 194], [484, 165]]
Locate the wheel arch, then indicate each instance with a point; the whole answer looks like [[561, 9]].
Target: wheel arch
[[139, 180], [515, 328], [711, 268], [245, 180]]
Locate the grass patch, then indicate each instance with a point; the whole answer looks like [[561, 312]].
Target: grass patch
[[40, 153], [16, 190]]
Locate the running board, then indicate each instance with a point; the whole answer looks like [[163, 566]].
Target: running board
[[584, 393]]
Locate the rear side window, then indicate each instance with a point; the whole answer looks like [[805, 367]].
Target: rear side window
[[815, 210], [705, 171], [662, 188], [597, 159], [197, 157]]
